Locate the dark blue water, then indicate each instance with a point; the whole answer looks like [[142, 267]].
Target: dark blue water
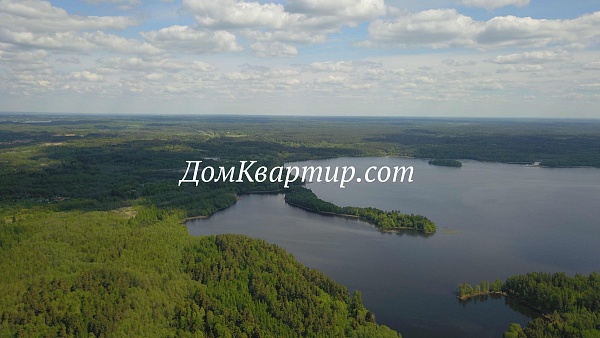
[[494, 220]]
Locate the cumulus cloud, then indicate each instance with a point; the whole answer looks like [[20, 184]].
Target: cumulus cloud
[[436, 28], [41, 17], [534, 57], [87, 76], [238, 14], [119, 44], [488, 85], [297, 13], [445, 28], [140, 64], [331, 79], [520, 68], [493, 4], [187, 39], [40, 25], [338, 66], [458, 63], [300, 21], [273, 49], [348, 9], [25, 60]]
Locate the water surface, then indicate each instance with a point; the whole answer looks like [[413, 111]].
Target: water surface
[[494, 220]]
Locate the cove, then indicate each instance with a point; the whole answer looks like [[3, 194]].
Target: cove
[[494, 220]]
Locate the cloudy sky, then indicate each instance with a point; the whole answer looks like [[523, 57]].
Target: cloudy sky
[[496, 58]]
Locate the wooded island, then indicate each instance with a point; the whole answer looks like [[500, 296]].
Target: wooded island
[[386, 220]]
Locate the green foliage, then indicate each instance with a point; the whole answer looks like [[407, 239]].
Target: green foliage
[[446, 163], [571, 304], [466, 290], [556, 292], [514, 331], [137, 272], [386, 220]]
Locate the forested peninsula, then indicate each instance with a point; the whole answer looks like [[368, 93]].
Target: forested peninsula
[[386, 220]]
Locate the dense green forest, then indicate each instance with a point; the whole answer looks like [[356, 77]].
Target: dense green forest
[[570, 305], [91, 242], [446, 163], [137, 272], [385, 220]]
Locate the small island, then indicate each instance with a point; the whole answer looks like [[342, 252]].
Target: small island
[[446, 163], [386, 220]]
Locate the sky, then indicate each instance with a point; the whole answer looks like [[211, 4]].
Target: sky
[[437, 58]]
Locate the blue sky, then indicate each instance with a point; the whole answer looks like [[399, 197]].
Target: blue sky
[[469, 58]]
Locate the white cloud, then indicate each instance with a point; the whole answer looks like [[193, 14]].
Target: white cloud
[[349, 9], [300, 21], [189, 40], [24, 60], [273, 49], [493, 4], [240, 14], [436, 28], [488, 85], [41, 17], [595, 65], [458, 63], [339, 66], [119, 44], [140, 64], [38, 24], [331, 79], [446, 28], [520, 68], [87, 76], [534, 57]]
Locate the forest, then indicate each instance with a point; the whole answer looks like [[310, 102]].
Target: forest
[[137, 272], [570, 306], [386, 220], [91, 241]]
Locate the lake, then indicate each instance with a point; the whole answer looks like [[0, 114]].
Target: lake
[[493, 221]]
